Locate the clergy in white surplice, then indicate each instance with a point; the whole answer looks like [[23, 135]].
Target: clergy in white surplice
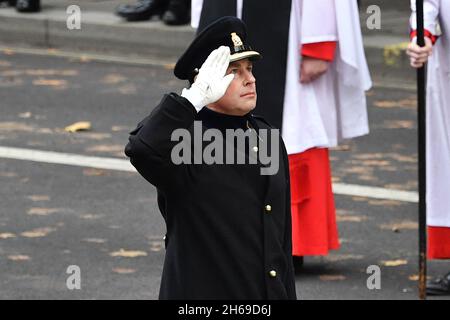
[[437, 32]]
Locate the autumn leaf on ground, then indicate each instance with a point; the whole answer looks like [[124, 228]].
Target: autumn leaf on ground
[[120, 128], [403, 158], [376, 162], [15, 126], [128, 253], [42, 211], [394, 263], [19, 257], [92, 172], [369, 156], [113, 78], [36, 233], [385, 203], [7, 235], [393, 52], [344, 147], [169, 66], [78, 126], [358, 170], [123, 270], [349, 218], [36, 197], [8, 52], [404, 103], [90, 216], [84, 58], [398, 124], [51, 72], [25, 115], [415, 277], [57, 83]]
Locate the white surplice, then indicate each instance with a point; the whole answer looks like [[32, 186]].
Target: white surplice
[[437, 16]]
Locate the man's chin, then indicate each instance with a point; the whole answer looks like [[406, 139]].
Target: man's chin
[[249, 108], [249, 105]]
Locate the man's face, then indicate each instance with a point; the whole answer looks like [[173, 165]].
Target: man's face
[[240, 97]]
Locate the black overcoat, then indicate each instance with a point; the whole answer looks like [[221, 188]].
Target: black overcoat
[[228, 226]]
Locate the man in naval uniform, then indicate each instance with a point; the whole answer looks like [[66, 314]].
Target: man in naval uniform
[[228, 225]]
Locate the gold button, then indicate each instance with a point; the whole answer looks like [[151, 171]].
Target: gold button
[[273, 273], [268, 208]]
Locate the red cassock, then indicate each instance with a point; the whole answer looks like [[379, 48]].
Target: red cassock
[[438, 243], [314, 228]]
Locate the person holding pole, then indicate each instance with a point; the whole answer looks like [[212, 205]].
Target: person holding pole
[[437, 53]]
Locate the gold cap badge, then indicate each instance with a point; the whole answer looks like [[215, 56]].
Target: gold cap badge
[[236, 40]]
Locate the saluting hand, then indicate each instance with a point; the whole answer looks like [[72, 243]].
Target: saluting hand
[[419, 55], [211, 83], [311, 69]]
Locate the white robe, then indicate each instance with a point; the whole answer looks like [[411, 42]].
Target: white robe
[[333, 107], [437, 12]]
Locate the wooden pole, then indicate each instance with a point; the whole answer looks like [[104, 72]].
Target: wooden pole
[[421, 99]]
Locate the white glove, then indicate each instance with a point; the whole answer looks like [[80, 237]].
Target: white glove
[[211, 83]]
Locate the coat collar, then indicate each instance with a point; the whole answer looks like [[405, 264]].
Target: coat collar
[[221, 121]]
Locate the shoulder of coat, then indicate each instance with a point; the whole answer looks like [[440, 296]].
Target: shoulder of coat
[[261, 119]]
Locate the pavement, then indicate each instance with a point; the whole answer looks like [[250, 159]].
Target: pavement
[[112, 73], [101, 31]]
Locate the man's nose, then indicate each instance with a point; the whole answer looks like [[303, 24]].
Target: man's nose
[[249, 78]]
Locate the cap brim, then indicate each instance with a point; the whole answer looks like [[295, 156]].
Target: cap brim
[[253, 55]]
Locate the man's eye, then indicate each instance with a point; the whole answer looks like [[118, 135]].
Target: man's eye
[[234, 71]]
